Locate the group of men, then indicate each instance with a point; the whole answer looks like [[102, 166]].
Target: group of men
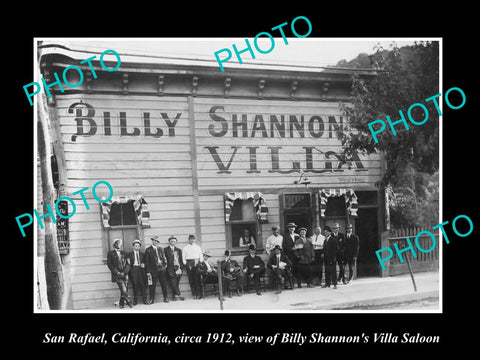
[[309, 256], [146, 268], [290, 256]]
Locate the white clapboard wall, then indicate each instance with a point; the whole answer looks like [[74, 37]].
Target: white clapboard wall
[[156, 162]]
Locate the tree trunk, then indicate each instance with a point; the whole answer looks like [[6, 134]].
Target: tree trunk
[[53, 264]]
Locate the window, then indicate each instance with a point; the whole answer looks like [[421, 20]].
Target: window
[[124, 220], [336, 206], [293, 201], [122, 214], [243, 225]]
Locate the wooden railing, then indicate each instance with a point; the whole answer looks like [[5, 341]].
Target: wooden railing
[[424, 261]]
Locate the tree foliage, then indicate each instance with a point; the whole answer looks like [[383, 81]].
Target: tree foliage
[[404, 76]]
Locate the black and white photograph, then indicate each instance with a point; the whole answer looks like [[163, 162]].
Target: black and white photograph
[[207, 175], [221, 181]]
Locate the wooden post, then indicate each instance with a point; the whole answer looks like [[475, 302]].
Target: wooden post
[[220, 285], [411, 273]]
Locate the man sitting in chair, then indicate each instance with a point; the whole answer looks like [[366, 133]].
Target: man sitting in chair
[[231, 271], [253, 268], [208, 273], [281, 267]]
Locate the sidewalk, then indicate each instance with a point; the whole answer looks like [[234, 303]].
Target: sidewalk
[[360, 292]]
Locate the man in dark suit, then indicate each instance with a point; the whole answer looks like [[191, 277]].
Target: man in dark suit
[[281, 267], [253, 267], [352, 245], [288, 244], [156, 268], [117, 262], [340, 237], [330, 248], [303, 250], [231, 272], [174, 269], [136, 259], [208, 273]]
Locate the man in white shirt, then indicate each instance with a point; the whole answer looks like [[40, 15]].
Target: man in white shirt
[[273, 240], [318, 240], [191, 254]]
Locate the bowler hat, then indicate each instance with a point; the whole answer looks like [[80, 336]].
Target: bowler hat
[[136, 241], [227, 252], [251, 247], [327, 228], [291, 225], [277, 247]]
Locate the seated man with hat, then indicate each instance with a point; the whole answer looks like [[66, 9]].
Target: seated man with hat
[[117, 262], [136, 259], [281, 267], [231, 271], [207, 271], [253, 268]]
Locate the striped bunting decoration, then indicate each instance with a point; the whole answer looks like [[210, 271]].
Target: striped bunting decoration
[[350, 199], [259, 204], [139, 204]]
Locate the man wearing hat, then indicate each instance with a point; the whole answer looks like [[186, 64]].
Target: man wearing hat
[[273, 240], [231, 271], [351, 250], [340, 237], [174, 267], [288, 243], [156, 268], [136, 259], [330, 247], [253, 268], [117, 262], [281, 266], [303, 250], [207, 272], [191, 254]]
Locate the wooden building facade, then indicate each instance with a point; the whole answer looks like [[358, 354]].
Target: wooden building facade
[[188, 149]]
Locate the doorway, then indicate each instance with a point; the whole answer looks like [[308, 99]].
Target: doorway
[[366, 227]]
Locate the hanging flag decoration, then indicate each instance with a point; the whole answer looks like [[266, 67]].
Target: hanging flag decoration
[[139, 204], [259, 204], [350, 200]]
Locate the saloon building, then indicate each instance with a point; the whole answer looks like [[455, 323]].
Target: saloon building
[[189, 149]]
